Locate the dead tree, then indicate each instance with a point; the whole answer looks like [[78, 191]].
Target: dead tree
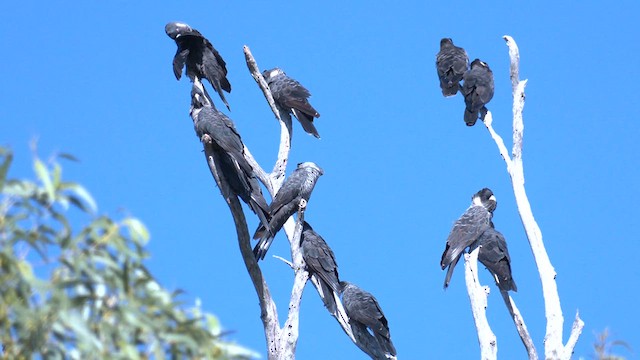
[[281, 341], [553, 343]]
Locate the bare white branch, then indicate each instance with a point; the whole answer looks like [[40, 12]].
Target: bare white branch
[[554, 348], [278, 173], [291, 327], [478, 297], [277, 176], [262, 83], [488, 121], [514, 55], [553, 311], [576, 330], [518, 124]]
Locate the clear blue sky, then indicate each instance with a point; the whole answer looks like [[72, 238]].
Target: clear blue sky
[[95, 79]]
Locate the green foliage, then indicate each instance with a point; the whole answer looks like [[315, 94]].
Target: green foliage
[[86, 294]]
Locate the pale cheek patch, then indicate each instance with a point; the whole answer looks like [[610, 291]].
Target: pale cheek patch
[[273, 73]]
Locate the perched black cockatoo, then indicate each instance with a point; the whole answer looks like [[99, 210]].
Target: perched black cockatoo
[[321, 263], [228, 151], [467, 229], [292, 97], [363, 310], [477, 89], [494, 255], [200, 57], [296, 187], [451, 63]]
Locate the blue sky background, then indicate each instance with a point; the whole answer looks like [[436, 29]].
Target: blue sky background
[[95, 80]]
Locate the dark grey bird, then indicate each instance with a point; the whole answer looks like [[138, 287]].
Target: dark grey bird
[[200, 57], [228, 152], [451, 63], [494, 255], [467, 229], [477, 89], [363, 310], [321, 263], [291, 96], [296, 187]]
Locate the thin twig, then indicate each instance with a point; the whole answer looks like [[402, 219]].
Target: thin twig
[[488, 121], [478, 297], [284, 261]]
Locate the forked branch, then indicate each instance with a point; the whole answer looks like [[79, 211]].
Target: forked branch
[[554, 348], [287, 336]]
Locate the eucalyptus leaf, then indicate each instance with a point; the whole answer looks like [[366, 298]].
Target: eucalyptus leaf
[[137, 229], [45, 179]]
